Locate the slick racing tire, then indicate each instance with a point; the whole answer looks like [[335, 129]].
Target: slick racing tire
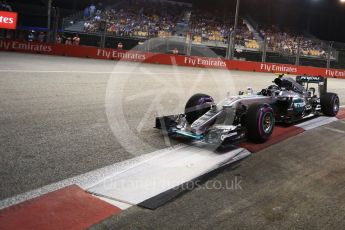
[[197, 106], [330, 104], [259, 122]]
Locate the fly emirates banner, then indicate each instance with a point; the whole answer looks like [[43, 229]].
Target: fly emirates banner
[[8, 20]]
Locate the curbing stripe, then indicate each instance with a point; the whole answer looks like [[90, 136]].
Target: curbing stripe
[[67, 208], [279, 134]]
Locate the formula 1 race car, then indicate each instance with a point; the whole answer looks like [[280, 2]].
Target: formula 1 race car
[[251, 115]]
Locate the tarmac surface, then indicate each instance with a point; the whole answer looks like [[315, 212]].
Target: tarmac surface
[[61, 117]]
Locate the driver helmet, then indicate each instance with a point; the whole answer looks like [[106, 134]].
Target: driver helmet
[[249, 90]]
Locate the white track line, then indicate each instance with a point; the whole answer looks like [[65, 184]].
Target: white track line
[[316, 122], [85, 180], [335, 130]]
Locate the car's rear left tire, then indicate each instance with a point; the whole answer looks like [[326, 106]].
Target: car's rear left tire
[[260, 122], [329, 104]]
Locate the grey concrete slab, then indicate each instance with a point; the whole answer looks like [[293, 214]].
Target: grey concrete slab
[[168, 170]]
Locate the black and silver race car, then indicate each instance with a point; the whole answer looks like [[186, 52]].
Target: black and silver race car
[[252, 115]]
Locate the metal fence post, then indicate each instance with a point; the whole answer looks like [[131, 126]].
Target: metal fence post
[[49, 20], [233, 37], [166, 44], [189, 50], [104, 32], [102, 45], [231, 46], [228, 48], [298, 50], [148, 44], [56, 23], [264, 50], [330, 46]]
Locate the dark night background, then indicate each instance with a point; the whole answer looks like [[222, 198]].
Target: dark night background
[[324, 19]]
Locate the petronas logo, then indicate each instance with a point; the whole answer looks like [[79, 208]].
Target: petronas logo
[[298, 105]]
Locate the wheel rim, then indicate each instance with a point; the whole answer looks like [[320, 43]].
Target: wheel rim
[[267, 122], [204, 100], [336, 105]]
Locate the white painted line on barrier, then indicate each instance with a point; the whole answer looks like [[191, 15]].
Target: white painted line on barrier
[[85, 180], [335, 130]]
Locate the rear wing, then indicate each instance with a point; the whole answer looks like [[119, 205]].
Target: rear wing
[[321, 81], [309, 79]]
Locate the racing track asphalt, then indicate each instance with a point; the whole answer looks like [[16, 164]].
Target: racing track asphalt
[[53, 114]]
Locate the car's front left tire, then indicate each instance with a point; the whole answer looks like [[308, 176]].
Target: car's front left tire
[[197, 106], [260, 122]]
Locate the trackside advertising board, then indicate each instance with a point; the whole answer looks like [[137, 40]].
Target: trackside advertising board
[[165, 59], [8, 20]]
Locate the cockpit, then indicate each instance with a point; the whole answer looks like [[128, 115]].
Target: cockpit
[[283, 84]]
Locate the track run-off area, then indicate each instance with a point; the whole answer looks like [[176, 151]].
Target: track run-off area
[[72, 121]]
